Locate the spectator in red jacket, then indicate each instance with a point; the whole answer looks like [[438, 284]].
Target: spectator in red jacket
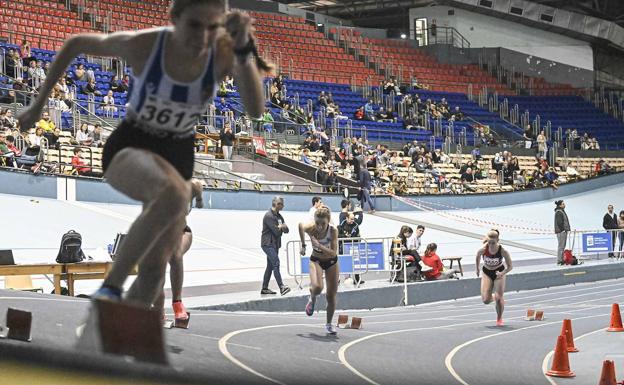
[[80, 166], [432, 260]]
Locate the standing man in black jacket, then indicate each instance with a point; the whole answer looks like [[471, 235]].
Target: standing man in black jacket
[[273, 226], [349, 227], [227, 141], [365, 188], [562, 228], [610, 222]]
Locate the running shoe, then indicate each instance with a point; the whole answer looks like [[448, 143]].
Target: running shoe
[[330, 329], [179, 311], [107, 293], [499, 322], [267, 291], [284, 290], [309, 309]]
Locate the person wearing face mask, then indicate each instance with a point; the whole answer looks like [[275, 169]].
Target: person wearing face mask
[[496, 264], [324, 259]]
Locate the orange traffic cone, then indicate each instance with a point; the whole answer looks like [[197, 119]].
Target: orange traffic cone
[[616, 319], [607, 377], [560, 365], [566, 330]]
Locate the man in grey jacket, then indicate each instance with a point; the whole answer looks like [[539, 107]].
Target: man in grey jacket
[[273, 227], [562, 228]]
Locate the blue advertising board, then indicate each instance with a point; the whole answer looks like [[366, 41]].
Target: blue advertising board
[[597, 242], [363, 251], [344, 261]]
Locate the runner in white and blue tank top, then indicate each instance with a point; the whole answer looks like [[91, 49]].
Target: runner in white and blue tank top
[[149, 158]]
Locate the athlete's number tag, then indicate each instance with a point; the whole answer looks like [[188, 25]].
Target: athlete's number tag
[[169, 116]]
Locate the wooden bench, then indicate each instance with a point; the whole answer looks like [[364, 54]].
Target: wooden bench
[[69, 272], [455, 259]]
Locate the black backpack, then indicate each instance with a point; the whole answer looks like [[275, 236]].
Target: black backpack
[[71, 248]]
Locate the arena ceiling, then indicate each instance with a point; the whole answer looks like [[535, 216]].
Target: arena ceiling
[[393, 13]]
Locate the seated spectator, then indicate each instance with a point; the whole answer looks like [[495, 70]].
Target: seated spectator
[[6, 155], [243, 123], [8, 121], [457, 114], [314, 144], [551, 178], [96, 136], [46, 123], [91, 88], [602, 168], [82, 135], [322, 100], [276, 96], [125, 84], [431, 259], [9, 98], [80, 73], [35, 139], [391, 85], [267, 120], [286, 111], [369, 112], [80, 166], [114, 84], [305, 157], [467, 179], [53, 138], [476, 153], [109, 102], [572, 173], [359, 114]]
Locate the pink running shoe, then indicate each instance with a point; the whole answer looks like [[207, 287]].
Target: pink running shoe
[[309, 309]]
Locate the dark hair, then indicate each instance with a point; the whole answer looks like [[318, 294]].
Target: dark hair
[[420, 227], [404, 229], [10, 138], [77, 150], [315, 200], [345, 203], [178, 6], [432, 247]]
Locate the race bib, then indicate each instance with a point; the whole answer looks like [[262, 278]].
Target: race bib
[[169, 116]]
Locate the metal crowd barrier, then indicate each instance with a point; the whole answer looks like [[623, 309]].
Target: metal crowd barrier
[[596, 243]]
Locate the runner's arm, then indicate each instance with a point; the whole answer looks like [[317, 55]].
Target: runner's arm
[[508, 263], [478, 261]]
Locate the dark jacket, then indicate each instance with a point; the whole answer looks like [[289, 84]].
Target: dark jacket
[[609, 221], [271, 235], [561, 221], [227, 138], [365, 179], [346, 230]]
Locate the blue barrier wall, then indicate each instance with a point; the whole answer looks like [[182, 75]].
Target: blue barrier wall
[[90, 190]]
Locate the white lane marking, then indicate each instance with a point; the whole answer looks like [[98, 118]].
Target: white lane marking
[[547, 357], [217, 339], [344, 348], [448, 361], [77, 300], [324, 360], [223, 342]]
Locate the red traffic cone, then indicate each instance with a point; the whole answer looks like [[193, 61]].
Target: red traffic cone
[[607, 377], [616, 319], [560, 365], [566, 330]]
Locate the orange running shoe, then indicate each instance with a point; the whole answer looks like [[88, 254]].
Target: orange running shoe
[[180, 311], [499, 322]]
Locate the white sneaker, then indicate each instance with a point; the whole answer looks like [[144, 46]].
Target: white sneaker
[[330, 329], [424, 268]]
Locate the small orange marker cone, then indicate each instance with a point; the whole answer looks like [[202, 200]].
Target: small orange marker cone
[[566, 330], [560, 365], [607, 377], [343, 319], [530, 316], [616, 319], [539, 315]]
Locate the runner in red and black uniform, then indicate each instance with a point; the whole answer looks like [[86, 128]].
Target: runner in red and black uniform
[[496, 264]]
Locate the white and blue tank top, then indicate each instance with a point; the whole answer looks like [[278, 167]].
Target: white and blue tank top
[[162, 104]]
